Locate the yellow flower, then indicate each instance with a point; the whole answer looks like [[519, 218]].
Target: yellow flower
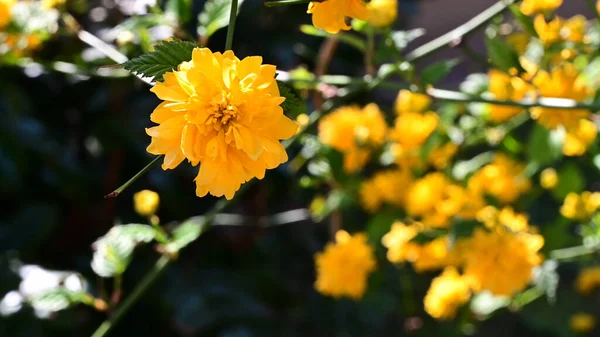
[[330, 15], [580, 206], [408, 101], [574, 29], [146, 202], [344, 266], [499, 260], [447, 293], [578, 140], [549, 178], [412, 129], [506, 218], [353, 131], [441, 156], [49, 4], [397, 241], [382, 13], [5, 11], [505, 88], [431, 255], [531, 7], [503, 178], [406, 157], [563, 82], [224, 114], [519, 41], [587, 280], [549, 32], [582, 322], [385, 187]]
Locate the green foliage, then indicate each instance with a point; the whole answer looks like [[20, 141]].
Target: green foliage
[[182, 9], [165, 57], [55, 299], [501, 55], [214, 16], [570, 179], [346, 38], [437, 72], [293, 105], [185, 233], [525, 21], [543, 146]]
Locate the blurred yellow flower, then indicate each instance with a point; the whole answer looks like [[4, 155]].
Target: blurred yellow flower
[[574, 29], [579, 139], [441, 156], [446, 294], [382, 13], [507, 218], [406, 157], [5, 11], [412, 129], [499, 260], [397, 241], [408, 101], [431, 255], [49, 4], [505, 88], [580, 206], [588, 280], [224, 114], [548, 178], [343, 267], [519, 41], [548, 32], [353, 132], [563, 82], [531, 7], [582, 322], [385, 187], [503, 178], [146, 202], [330, 15]]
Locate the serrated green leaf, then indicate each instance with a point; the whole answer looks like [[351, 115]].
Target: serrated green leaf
[[182, 9], [114, 250], [437, 72], [525, 21], [214, 16], [293, 105], [502, 55], [185, 233], [54, 300], [165, 57]]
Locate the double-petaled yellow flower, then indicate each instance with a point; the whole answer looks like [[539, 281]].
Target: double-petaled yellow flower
[[224, 114], [506, 88], [330, 15], [447, 293], [578, 140]]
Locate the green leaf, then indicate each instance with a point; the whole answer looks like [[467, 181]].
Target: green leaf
[[185, 233], [214, 16], [437, 71], [113, 251], [543, 148], [165, 57], [380, 224], [525, 21], [293, 105], [570, 179], [54, 300], [502, 55], [182, 9]]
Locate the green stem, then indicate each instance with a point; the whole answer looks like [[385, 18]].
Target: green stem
[[121, 188], [592, 6], [572, 252], [161, 235], [286, 2], [231, 27], [137, 293]]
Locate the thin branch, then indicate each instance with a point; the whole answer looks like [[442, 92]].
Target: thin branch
[[231, 26]]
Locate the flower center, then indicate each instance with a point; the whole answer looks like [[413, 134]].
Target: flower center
[[222, 116]]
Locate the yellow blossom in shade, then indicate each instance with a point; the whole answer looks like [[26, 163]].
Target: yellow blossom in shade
[[499, 260], [548, 32], [353, 132], [531, 7], [5, 11], [408, 101], [224, 114], [146, 202], [582, 322], [505, 88], [548, 178], [382, 13], [385, 187], [397, 241], [519, 41], [588, 280], [406, 157], [574, 29], [431, 255], [441, 156], [343, 267], [330, 15], [503, 178], [446, 294], [580, 206], [412, 129], [579, 139], [563, 82]]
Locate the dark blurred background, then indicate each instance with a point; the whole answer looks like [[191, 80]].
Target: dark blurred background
[[66, 141]]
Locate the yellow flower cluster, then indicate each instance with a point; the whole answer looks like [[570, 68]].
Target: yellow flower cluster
[[558, 29], [224, 114], [447, 293], [505, 218], [343, 267], [531, 7], [506, 88], [354, 132], [588, 280], [503, 179], [580, 206], [330, 15], [440, 157], [579, 139], [385, 187]]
